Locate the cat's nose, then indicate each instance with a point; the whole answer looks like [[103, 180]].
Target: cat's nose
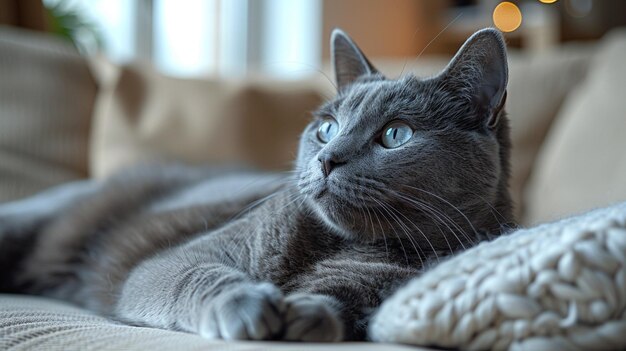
[[328, 163]]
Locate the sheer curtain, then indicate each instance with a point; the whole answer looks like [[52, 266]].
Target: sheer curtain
[[196, 38]]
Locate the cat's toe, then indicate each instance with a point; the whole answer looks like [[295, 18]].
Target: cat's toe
[[312, 318], [251, 313]]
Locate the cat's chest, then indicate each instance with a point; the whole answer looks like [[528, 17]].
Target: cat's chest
[[299, 257], [295, 251]]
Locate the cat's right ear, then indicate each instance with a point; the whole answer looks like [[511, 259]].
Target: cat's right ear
[[479, 72], [349, 62]]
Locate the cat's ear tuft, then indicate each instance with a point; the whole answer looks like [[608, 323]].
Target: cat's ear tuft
[[349, 62], [479, 71]]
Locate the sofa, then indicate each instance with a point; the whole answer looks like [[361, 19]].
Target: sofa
[[66, 117]]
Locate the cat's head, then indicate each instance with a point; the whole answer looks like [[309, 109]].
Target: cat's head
[[426, 157]]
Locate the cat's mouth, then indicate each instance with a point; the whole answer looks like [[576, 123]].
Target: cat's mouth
[[332, 196], [336, 194]]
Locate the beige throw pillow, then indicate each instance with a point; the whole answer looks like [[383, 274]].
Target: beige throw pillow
[[583, 164], [142, 116], [538, 85]]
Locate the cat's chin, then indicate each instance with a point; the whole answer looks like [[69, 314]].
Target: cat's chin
[[328, 211]]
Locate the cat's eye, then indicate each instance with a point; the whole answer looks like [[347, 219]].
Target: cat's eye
[[327, 130], [396, 134]]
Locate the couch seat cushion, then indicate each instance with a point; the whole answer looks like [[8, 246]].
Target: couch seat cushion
[[34, 323]]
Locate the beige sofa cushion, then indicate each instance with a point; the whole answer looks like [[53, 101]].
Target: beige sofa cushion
[[583, 163], [538, 85], [46, 100], [142, 116], [33, 323]]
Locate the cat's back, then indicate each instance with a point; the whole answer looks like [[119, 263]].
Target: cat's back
[[132, 216]]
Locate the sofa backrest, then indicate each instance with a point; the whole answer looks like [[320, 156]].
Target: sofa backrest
[[46, 100]]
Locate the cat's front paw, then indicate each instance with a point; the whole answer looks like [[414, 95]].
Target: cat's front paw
[[253, 312], [312, 318]]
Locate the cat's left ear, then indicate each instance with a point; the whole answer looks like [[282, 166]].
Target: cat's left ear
[[479, 70], [349, 62]]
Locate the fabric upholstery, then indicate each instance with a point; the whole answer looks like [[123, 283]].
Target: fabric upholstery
[[583, 161], [558, 286], [46, 99], [32, 323]]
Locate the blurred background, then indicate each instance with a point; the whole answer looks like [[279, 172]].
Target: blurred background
[[88, 87], [288, 38]]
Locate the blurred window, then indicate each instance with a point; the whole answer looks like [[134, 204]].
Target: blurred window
[[195, 38]]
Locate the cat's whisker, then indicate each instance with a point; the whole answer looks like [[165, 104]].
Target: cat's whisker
[[494, 211], [362, 213], [390, 212], [407, 58], [436, 215], [259, 179], [444, 236], [428, 241], [406, 257], [382, 230], [437, 36], [293, 197], [301, 203], [406, 231], [450, 224], [447, 203], [258, 203], [307, 68], [443, 217]]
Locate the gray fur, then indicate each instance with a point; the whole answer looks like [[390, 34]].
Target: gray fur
[[303, 257]]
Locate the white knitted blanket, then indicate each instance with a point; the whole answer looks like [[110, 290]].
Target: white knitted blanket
[[559, 286]]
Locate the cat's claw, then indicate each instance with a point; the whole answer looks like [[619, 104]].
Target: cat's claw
[[312, 318], [254, 312]]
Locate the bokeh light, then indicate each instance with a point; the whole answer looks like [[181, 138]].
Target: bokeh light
[[548, 1], [507, 17]]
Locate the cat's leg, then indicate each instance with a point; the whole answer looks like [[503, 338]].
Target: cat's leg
[[21, 219], [184, 290], [313, 317], [21, 222], [46, 204]]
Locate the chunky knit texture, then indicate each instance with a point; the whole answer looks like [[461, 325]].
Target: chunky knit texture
[[559, 286]]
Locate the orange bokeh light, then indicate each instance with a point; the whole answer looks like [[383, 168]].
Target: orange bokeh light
[[507, 17]]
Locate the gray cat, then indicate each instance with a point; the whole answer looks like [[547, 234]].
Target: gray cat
[[391, 176]]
